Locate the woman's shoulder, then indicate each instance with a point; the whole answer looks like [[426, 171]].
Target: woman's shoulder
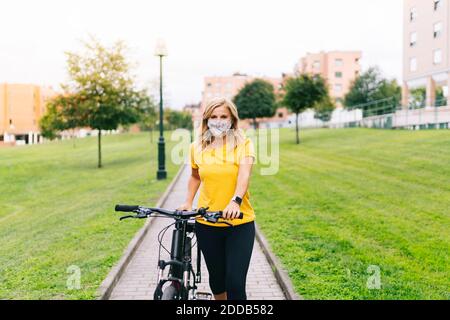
[[245, 141], [194, 147]]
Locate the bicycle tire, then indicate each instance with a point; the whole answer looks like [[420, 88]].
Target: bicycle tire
[[170, 293]]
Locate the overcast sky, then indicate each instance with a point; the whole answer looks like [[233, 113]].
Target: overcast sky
[[204, 37]]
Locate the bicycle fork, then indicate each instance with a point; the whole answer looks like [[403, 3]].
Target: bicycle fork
[[181, 266]]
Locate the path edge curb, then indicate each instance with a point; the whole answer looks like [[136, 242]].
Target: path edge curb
[[114, 275], [280, 273]]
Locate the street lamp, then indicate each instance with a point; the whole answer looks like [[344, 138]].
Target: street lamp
[[161, 51]]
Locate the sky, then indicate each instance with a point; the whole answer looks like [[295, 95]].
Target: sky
[[203, 38]]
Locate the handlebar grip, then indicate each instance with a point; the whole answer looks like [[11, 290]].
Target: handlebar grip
[[241, 215], [125, 208]]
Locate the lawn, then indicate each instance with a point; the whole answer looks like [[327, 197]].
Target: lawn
[[343, 204], [346, 203], [57, 211]]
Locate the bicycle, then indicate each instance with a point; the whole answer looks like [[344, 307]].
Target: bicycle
[[180, 284]]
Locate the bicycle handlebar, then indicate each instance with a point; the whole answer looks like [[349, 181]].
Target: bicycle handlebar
[[125, 208], [143, 212]]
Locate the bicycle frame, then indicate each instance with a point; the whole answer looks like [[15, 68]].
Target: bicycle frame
[[180, 263]]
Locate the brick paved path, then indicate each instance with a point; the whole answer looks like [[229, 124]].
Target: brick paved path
[[139, 280]]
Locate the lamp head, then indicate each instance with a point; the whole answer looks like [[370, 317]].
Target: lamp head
[[160, 49]]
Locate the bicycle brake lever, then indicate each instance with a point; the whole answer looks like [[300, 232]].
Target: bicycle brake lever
[[215, 219], [210, 217], [126, 217], [138, 216]]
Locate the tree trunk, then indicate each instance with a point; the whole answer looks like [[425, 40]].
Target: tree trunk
[[296, 128], [99, 148], [73, 138], [255, 124]]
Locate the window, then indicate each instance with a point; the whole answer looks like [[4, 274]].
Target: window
[[280, 115], [338, 62], [437, 29], [437, 4], [338, 74], [209, 84], [413, 64], [437, 56], [413, 39], [338, 88], [413, 14], [316, 65]]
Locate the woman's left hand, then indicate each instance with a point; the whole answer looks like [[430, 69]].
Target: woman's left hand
[[232, 211]]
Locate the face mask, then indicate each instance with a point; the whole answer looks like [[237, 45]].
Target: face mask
[[218, 127]]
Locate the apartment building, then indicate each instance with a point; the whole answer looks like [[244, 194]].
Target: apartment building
[[338, 68], [229, 86], [21, 108], [426, 54]]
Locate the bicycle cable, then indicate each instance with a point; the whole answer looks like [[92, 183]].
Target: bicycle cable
[[161, 238]]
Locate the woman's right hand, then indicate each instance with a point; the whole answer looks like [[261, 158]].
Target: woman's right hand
[[185, 207]]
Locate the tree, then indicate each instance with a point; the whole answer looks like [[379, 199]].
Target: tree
[[256, 100], [418, 97], [303, 92], [178, 119], [101, 90], [441, 100], [149, 118], [51, 122], [324, 108], [370, 88], [63, 113]]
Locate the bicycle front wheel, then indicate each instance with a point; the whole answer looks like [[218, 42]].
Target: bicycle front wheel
[[170, 293]]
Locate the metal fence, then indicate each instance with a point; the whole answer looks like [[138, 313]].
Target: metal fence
[[384, 114]]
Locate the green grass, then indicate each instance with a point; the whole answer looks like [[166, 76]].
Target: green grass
[[57, 210], [344, 200]]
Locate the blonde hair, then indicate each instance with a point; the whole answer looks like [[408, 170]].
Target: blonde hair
[[235, 135]]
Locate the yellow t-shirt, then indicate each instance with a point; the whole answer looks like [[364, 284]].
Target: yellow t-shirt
[[218, 170]]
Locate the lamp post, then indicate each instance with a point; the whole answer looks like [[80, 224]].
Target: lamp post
[[161, 52]]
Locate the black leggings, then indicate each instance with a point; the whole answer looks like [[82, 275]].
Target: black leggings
[[227, 252]]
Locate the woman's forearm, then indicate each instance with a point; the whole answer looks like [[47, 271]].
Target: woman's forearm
[[242, 184], [243, 179]]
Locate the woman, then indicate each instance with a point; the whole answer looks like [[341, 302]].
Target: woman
[[221, 164]]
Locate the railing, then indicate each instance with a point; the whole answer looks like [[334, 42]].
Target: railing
[[385, 114], [378, 107]]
